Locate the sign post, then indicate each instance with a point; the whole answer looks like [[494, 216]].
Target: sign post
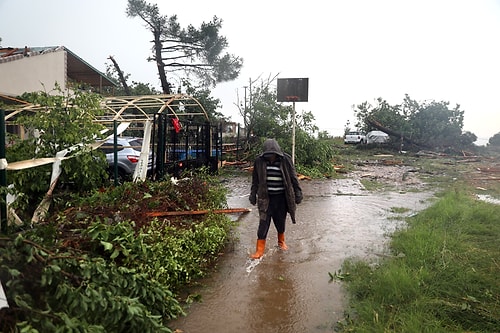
[[293, 90]]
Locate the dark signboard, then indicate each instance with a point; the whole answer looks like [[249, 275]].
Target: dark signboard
[[293, 90]]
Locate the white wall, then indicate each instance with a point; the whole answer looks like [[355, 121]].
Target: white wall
[[34, 73]]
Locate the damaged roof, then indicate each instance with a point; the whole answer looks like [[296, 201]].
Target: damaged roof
[[77, 68]]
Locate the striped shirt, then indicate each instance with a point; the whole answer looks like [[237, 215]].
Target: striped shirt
[[274, 178]]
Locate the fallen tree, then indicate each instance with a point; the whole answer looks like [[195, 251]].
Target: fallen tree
[[404, 138]]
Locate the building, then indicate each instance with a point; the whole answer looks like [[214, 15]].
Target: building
[[31, 69]]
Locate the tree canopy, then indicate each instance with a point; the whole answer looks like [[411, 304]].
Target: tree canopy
[[494, 140], [196, 51], [427, 124]]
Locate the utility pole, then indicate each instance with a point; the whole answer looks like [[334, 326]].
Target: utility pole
[[245, 110], [3, 174], [250, 87]]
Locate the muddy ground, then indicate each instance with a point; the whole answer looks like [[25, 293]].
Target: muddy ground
[[292, 291], [349, 217]]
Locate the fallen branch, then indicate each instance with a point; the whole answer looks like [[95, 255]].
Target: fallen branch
[[199, 212], [487, 178], [234, 163], [468, 159], [493, 170]]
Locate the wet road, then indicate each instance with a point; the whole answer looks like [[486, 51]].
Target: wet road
[[291, 291]]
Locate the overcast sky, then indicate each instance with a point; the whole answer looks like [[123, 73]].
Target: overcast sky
[[351, 51]]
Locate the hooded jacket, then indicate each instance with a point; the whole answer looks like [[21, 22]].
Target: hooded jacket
[[258, 192]]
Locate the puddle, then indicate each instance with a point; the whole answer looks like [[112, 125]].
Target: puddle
[[488, 199], [291, 291]]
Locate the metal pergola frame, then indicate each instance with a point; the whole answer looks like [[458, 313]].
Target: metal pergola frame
[[137, 113], [132, 108], [140, 107]]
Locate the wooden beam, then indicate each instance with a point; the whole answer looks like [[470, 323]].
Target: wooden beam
[[199, 212]]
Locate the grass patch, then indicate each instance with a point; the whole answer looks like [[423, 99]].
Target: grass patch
[[400, 210], [400, 213], [374, 185], [447, 280]]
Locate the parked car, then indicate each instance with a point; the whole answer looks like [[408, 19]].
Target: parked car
[[128, 153], [377, 137], [354, 137]]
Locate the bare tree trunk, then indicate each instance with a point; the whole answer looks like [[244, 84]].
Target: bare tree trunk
[[120, 76], [159, 63]]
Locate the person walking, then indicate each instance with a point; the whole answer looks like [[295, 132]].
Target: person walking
[[276, 191]]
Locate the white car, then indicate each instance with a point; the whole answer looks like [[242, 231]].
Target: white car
[[128, 153], [354, 137]]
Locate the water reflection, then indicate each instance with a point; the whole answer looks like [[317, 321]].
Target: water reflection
[[273, 299]]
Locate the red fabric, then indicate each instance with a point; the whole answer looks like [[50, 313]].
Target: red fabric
[[177, 125]]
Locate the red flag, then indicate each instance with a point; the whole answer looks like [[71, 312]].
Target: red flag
[[177, 125]]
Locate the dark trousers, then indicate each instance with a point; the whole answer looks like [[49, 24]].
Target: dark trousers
[[276, 211]]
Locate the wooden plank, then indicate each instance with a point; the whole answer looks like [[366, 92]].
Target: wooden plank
[[199, 212]]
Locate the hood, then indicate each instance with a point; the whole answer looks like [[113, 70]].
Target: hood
[[272, 146]]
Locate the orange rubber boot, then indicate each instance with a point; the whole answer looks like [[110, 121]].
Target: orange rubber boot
[[281, 242], [261, 245]]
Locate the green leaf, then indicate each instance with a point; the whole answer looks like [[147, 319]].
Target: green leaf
[[19, 240], [55, 268], [107, 245], [14, 272], [115, 254]]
